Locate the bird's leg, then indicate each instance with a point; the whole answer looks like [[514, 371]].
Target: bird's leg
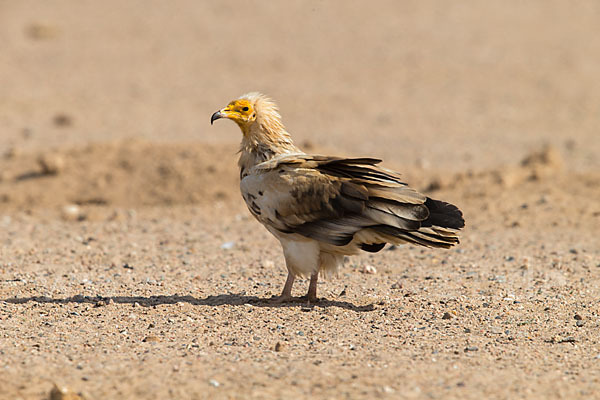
[[312, 288], [286, 295]]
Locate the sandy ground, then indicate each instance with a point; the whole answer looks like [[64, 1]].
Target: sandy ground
[[130, 268]]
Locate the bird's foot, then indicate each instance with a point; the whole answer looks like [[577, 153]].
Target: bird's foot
[[283, 299], [311, 299]]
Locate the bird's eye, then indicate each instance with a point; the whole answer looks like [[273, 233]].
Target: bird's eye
[[245, 109]]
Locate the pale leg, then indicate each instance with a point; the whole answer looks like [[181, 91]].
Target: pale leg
[[286, 294], [312, 288]]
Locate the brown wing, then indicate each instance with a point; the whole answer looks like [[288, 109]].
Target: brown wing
[[330, 199]]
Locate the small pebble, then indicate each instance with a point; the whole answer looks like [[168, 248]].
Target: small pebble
[[369, 269], [72, 212], [102, 303], [579, 323], [148, 339], [578, 317], [51, 164], [397, 285], [447, 315], [214, 383], [228, 245], [471, 348], [278, 347], [63, 393], [62, 120]]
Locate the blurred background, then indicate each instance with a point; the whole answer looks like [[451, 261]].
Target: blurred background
[[131, 268], [436, 84]]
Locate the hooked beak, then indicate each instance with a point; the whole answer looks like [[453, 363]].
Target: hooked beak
[[216, 116]]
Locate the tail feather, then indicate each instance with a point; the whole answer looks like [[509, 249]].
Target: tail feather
[[396, 235], [439, 229], [442, 214]]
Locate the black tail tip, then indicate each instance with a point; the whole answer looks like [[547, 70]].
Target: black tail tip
[[443, 214]]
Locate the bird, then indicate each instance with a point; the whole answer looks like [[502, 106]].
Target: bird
[[323, 208]]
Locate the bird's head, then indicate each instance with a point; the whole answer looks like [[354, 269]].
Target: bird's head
[[241, 111], [250, 111]]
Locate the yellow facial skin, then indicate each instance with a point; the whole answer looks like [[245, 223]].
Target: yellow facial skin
[[240, 111]]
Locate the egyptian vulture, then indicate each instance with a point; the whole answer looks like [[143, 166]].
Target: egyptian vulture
[[322, 208]]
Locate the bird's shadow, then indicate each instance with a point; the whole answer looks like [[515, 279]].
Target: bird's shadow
[[215, 301]]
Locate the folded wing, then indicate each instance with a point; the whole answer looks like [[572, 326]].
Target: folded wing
[[331, 199]]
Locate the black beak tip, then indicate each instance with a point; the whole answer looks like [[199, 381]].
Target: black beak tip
[[215, 117]]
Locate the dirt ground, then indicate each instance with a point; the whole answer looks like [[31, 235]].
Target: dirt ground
[[130, 268]]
